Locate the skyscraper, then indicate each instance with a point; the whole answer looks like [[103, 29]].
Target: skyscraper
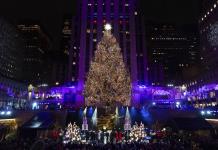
[[207, 79], [66, 34], [172, 50], [122, 15], [208, 24], [36, 43], [11, 51], [12, 91], [58, 58]]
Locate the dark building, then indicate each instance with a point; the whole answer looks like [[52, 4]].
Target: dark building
[[58, 59], [73, 64], [208, 25], [57, 66], [36, 43], [68, 47], [12, 92], [66, 34], [171, 51], [11, 52]]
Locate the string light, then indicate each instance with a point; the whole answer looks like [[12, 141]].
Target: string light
[[137, 133], [71, 134]]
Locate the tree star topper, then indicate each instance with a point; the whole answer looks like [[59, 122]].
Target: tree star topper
[[108, 27]]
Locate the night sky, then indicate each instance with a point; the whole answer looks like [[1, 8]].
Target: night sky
[[50, 12]]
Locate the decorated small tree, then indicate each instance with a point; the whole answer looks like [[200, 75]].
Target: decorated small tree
[[137, 132], [108, 81], [71, 134]]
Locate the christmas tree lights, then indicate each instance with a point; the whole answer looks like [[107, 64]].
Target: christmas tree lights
[[108, 81], [137, 133], [71, 134]]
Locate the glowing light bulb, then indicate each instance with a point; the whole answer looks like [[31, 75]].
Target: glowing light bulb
[[107, 27]]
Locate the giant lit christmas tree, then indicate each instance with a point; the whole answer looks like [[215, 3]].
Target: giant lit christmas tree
[[108, 81]]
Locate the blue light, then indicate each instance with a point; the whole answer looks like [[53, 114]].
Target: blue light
[[2, 113], [8, 113], [132, 111], [177, 103], [36, 125], [122, 111], [208, 112], [202, 112], [153, 103], [90, 112], [34, 105]]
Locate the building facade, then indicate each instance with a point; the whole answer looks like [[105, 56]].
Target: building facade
[[203, 89], [11, 51], [208, 24], [172, 50], [36, 43], [12, 93], [127, 27]]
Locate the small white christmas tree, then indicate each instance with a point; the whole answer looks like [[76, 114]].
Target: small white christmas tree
[[138, 132], [127, 124], [72, 134]]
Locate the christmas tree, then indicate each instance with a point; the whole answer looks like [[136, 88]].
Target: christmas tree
[[72, 134], [137, 132], [108, 81]]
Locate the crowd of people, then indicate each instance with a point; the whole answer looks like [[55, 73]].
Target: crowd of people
[[174, 141]]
